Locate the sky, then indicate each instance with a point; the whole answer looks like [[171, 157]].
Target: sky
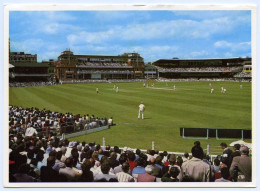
[[153, 34]]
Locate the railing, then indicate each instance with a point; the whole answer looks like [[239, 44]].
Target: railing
[[212, 156]]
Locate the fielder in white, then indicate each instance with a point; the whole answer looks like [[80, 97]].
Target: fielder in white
[[174, 87], [211, 90], [116, 89], [141, 110]]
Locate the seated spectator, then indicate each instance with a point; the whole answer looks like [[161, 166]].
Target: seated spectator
[[158, 167], [30, 131], [22, 174], [224, 175], [216, 169], [33, 166], [139, 169], [70, 174], [171, 175], [122, 160], [100, 154], [146, 177], [105, 168], [124, 176], [131, 160], [58, 160], [63, 157], [87, 175], [185, 157], [47, 172], [39, 158]]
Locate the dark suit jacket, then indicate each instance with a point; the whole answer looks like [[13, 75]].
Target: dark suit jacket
[[227, 157]]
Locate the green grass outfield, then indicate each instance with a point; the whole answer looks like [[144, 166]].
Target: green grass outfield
[[191, 105]]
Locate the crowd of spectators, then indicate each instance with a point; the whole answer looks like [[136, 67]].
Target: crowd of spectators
[[243, 75], [48, 158], [201, 69], [100, 64], [32, 120], [107, 71], [104, 81], [197, 79], [28, 84]]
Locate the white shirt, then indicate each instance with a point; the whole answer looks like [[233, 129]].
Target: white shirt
[[30, 131], [124, 177], [141, 107]]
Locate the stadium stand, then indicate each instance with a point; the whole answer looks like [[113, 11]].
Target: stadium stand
[[44, 157], [201, 68], [28, 84]]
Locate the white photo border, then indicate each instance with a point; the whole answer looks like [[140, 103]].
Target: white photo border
[[122, 7]]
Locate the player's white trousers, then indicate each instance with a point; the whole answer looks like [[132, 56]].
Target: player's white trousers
[[141, 112]]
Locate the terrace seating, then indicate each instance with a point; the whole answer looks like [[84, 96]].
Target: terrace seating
[[200, 69], [28, 84]]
